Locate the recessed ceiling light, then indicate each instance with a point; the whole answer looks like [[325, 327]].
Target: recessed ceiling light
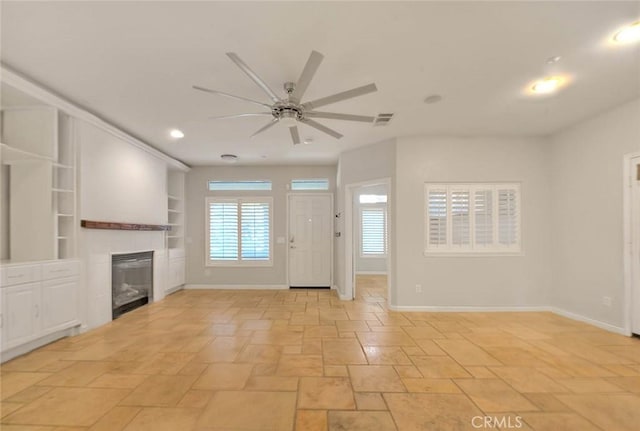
[[547, 85], [229, 158], [554, 59], [308, 141], [434, 98], [175, 133], [628, 34]]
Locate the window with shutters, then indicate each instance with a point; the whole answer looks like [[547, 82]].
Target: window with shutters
[[239, 231], [373, 231], [472, 218]]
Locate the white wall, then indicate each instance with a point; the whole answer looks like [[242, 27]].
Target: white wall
[[587, 201], [367, 264], [119, 182], [196, 189], [373, 162], [472, 281]]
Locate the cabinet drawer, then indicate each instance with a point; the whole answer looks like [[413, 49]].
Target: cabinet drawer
[[12, 275], [60, 269]]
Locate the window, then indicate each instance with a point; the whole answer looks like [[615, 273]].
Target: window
[[472, 218], [373, 232], [373, 199], [239, 231], [239, 185], [310, 184]]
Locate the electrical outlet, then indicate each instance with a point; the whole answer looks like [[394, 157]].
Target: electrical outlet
[[418, 288], [606, 301]]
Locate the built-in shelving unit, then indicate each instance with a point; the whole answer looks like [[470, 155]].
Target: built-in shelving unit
[[175, 237], [38, 162]]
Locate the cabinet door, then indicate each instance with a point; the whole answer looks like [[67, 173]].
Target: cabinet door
[[176, 272], [20, 314], [59, 304]]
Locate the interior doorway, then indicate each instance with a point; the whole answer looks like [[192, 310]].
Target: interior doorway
[[367, 245], [310, 240]]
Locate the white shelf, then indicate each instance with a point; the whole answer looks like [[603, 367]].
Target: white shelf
[[64, 215], [63, 237], [62, 190], [175, 211], [62, 166], [175, 198], [14, 155], [174, 236]]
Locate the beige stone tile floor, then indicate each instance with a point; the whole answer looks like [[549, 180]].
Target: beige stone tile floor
[[303, 360]]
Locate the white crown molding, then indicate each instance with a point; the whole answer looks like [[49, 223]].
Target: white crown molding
[[39, 92]]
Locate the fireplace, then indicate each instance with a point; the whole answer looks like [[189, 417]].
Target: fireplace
[[131, 281]]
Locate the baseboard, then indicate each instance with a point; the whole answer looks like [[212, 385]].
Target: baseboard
[[39, 342], [235, 286], [173, 289], [597, 323], [343, 297], [466, 309], [371, 272]]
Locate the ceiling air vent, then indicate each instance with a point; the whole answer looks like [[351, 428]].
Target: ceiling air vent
[[382, 119]]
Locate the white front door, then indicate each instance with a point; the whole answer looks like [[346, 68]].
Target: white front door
[[635, 245], [310, 240]]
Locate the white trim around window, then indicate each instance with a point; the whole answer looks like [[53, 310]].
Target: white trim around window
[[472, 219], [239, 231]]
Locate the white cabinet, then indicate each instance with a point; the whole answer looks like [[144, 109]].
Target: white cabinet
[[20, 312], [59, 309], [176, 272], [38, 300]]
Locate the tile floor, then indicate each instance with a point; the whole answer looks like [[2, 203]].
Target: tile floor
[[302, 359]]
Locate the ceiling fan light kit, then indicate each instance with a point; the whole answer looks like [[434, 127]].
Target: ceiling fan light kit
[[289, 110]]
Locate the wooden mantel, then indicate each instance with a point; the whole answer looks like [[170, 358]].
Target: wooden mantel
[[92, 224]]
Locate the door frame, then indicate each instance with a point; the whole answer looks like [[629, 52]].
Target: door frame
[[630, 243], [331, 230], [349, 238]]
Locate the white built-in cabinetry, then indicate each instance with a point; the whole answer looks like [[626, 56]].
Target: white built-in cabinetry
[[38, 160], [175, 237], [39, 302], [39, 278]]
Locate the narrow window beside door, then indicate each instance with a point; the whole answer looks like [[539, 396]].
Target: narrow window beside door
[[373, 230]]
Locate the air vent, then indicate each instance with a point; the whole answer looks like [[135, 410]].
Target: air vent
[[382, 119]]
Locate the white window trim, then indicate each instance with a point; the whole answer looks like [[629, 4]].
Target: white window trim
[[239, 262], [382, 206], [470, 251]]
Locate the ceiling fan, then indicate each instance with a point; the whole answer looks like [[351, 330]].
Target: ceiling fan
[[289, 110]]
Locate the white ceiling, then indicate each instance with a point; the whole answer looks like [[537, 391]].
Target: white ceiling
[[134, 63]]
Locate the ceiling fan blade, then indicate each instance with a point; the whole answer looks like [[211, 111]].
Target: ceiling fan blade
[[251, 74], [355, 92], [335, 116], [322, 128], [222, 93], [295, 136], [256, 114], [263, 128], [307, 74]]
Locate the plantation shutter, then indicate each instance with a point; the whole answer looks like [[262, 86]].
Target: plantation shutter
[[374, 231], [223, 231], [483, 209], [255, 222], [460, 218], [472, 218], [437, 217], [507, 217]]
